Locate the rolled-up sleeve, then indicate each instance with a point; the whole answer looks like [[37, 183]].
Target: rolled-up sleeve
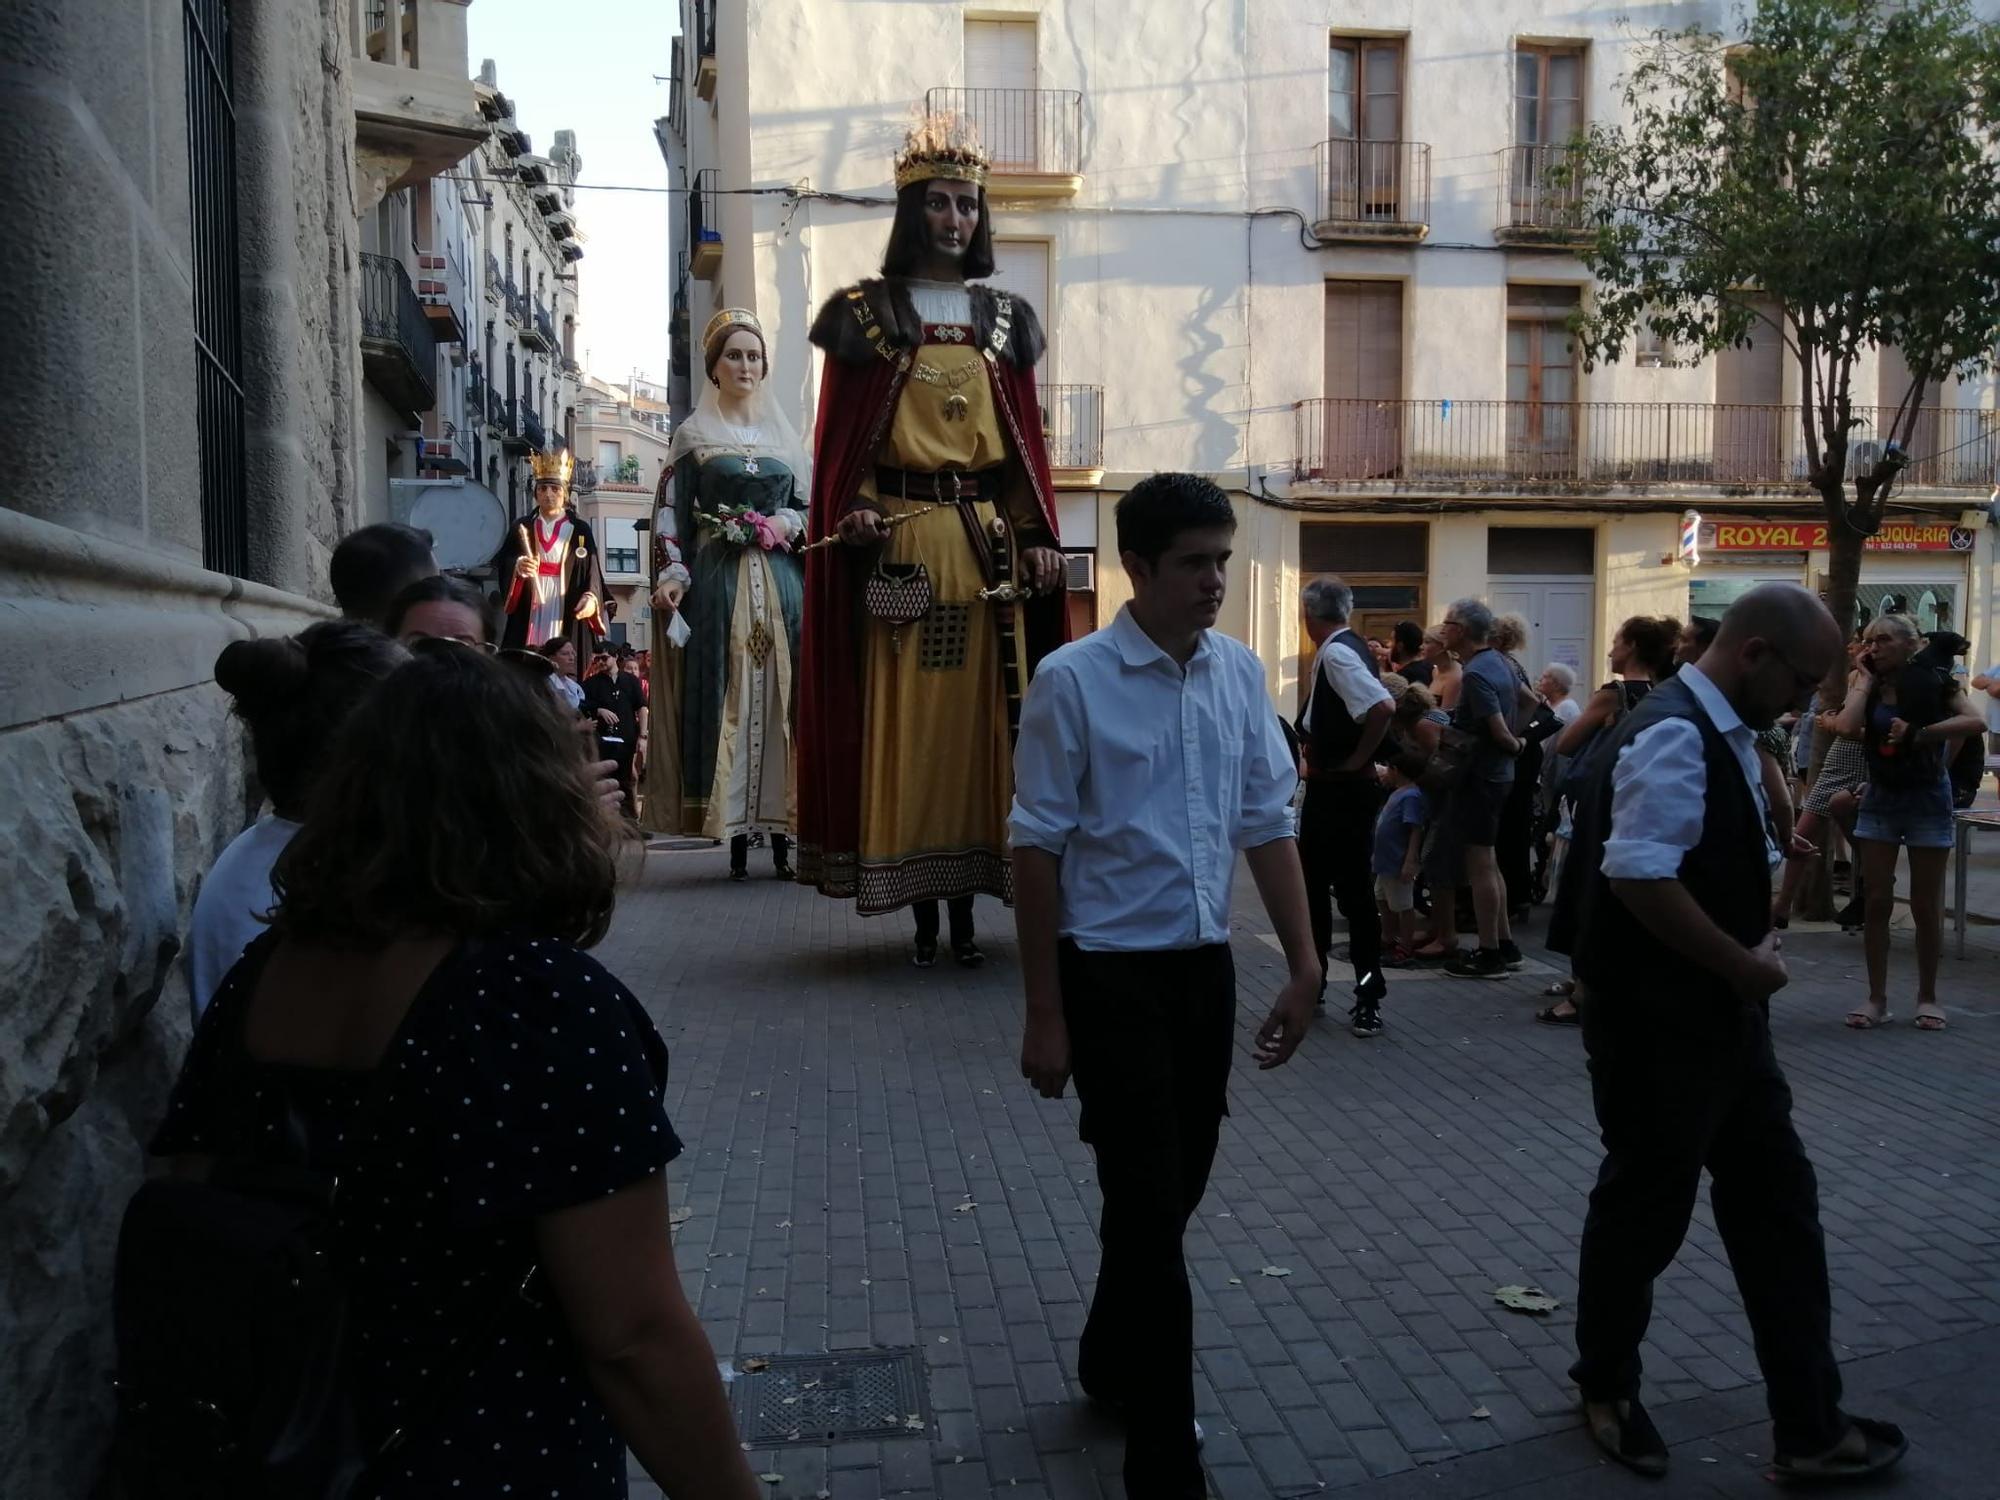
[[1659, 791], [1051, 758], [1270, 774]]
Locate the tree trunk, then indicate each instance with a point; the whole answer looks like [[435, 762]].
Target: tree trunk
[[1843, 579]]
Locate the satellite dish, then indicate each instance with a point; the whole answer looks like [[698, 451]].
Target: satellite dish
[[466, 520]]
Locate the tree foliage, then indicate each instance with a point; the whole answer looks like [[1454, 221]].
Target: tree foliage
[[1837, 158]]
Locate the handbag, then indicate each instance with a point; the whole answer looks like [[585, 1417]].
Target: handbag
[[1449, 762], [899, 593]]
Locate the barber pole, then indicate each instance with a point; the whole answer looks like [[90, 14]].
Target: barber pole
[[1691, 538]]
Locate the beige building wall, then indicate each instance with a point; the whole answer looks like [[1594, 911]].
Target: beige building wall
[[1182, 277]]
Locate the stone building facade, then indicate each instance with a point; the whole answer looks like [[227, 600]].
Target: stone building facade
[[185, 440]]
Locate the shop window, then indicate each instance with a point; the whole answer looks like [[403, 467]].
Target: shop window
[[1363, 548], [1537, 551]]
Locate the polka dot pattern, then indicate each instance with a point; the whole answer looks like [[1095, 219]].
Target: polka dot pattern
[[525, 1079]]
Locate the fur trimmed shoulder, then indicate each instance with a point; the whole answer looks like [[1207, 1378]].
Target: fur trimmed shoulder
[[842, 335], [1025, 340]]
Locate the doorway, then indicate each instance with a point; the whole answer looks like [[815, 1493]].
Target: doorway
[[1548, 576], [1385, 564]]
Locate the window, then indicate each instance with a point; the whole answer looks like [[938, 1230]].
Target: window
[[1364, 379], [1548, 94], [1000, 79], [609, 456], [1364, 126], [1541, 550], [1021, 269], [1541, 369], [620, 536], [211, 127], [1651, 349]]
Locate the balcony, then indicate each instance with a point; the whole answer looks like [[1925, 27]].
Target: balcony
[[1541, 199], [513, 428], [475, 392], [1073, 427], [531, 428], [495, 282], [537, 331], [499, 411], [445, 455], [584, 480], [439, 289], [415, 112], [1595, 447], [515, 304], [398, 349], [1033, 136], [1374, 192], [704, 247], [680, 333], [704, 48]]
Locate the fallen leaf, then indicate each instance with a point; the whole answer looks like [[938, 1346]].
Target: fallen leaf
[[772, 1478], [1481, 1413], [963, 1208], [784, 1223], [756, 1093], [754, 1365], [677, 1217], [1236, 1281], [1527, 1299], [1277, 1270]]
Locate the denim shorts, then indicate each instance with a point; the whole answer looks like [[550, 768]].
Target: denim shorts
[[1916, 817]]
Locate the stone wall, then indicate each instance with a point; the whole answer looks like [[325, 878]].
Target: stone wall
[[121, 773]]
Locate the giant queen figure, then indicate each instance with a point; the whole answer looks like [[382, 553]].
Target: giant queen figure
[[944, 589]]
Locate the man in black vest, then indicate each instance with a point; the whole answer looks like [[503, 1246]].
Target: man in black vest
[[1676, 952], [1346, 714]]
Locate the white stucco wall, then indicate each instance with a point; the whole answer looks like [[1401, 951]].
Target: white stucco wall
[[1180, 280]]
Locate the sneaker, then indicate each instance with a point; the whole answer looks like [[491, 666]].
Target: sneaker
[[1510, 955], [1367, 1018], [926, 955], [1480, 963]]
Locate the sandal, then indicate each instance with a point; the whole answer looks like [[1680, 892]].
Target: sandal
[[1631, 1438], [1562, 989], [1549, 1015], [1884, 1446], [1867, 1019], [1930, 1017]]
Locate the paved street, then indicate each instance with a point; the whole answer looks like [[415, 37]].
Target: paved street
[[865, 1167]]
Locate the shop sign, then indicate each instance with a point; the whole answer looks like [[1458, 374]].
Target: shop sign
[[1810, 536]]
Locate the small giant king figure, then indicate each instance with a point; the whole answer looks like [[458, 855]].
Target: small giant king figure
[[550, 569]]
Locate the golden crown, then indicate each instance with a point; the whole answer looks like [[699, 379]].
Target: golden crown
[[941, 145], [728, 319], [556, 466]]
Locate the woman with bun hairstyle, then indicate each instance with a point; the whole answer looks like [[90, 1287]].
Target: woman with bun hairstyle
[[293, 692]]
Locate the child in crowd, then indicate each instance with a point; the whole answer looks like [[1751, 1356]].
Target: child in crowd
[[1399, 831]]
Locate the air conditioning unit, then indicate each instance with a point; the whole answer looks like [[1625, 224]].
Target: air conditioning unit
[[1080, 572]]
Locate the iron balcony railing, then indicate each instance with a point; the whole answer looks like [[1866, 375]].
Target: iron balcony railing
[[704, 224], [1611, 443], [1024, 131], [704, 28], [495, 282], [584, 480], [531, 428], [1541, 191], [1385, 184], [499, 410], [544, 324], [398, 347], [475, 390], [1073, 424], [516, 303]]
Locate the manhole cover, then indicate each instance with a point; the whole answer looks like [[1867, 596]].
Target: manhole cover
[[824, 1398]]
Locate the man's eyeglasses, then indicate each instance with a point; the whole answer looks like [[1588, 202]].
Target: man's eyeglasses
[[1805, 682]]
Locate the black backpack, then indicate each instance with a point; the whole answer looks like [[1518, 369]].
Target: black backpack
[[235, 1334]]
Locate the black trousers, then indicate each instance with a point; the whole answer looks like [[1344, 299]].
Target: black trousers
[[739, 851], [1150, 1037], [1336, 839], [1513, 846], [927, 920], [1681, 1083]]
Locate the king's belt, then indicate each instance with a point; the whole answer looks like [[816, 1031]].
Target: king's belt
[[949, 486]]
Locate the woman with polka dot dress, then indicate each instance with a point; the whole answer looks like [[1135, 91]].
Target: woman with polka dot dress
[[422, 1019]]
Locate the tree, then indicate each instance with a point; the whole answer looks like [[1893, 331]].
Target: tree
[[1837, 160], [628, 469]]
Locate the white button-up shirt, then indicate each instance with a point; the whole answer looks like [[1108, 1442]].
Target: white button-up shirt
[[1659, 788], [1145, 780], [1357, 688]]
